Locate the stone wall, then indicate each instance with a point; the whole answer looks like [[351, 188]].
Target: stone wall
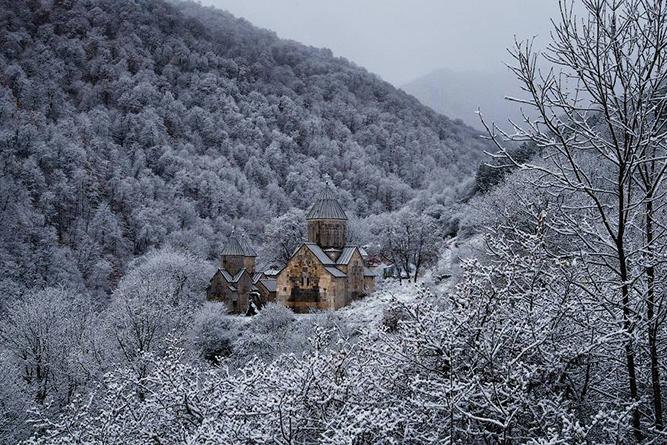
[[369, 285], [265, 294], [249, 264], [328, 232], [355, 276], [232, 263]]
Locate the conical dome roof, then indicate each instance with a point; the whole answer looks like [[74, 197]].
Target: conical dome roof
[[237, 246], [326, 206]]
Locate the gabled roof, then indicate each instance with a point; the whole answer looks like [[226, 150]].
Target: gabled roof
[[328, 263], [239, 274], [237, 246], [270, 285], [228, 277], [369, 273], [346, 254], [232, 279], [337, 273], [326, 206], [256, 277], [319, 253]]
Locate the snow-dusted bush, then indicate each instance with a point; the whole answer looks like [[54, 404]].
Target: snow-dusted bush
[[274, 318], [212, 333], [268, 334], [156, 299]]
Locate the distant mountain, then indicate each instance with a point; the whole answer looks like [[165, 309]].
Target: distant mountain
[[459, 95], [127, 125]]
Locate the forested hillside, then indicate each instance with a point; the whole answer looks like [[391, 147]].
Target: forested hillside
[[131, 124]]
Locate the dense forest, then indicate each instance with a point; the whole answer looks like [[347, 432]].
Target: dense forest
[[137, 124]]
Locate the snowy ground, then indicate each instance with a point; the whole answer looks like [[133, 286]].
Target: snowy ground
[[367, 313]]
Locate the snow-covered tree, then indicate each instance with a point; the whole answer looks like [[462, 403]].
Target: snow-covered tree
[[601, 133], [283, 235]]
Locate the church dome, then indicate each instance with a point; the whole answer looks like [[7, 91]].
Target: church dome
[[326, 207], [237, 247]]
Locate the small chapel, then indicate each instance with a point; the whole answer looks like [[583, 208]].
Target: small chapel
[[236, 283], [323, 273]]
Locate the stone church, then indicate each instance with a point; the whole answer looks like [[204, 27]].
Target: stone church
[[324, 273], [236, 283]]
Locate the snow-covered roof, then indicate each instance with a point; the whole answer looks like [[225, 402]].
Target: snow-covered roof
[[256, 277], [232, 279], [227, 275], [272, 271], [327, 262]]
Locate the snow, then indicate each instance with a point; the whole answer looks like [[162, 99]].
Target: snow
[[367, 313]]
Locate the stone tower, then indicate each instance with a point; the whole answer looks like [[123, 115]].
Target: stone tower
[[237, 254], [327, 222]]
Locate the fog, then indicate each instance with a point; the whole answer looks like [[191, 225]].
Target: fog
[[401, 40]]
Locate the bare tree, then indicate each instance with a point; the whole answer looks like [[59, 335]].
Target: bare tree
[[412, 241], [45, 334], [603, 146]]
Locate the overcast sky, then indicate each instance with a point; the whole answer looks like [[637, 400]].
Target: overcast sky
[[403, 39]]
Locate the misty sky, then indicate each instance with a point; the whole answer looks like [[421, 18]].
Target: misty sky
[[403, 39]]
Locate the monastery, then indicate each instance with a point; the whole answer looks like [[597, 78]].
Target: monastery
[[324, 273]]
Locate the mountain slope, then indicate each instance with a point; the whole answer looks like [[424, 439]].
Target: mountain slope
[[130, 124]]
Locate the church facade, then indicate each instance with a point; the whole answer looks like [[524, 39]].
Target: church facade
[[324, 273]]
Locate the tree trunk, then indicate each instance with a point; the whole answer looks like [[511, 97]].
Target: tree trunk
[[629, 346], [628, 325], [650, 315], [406, 266]]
